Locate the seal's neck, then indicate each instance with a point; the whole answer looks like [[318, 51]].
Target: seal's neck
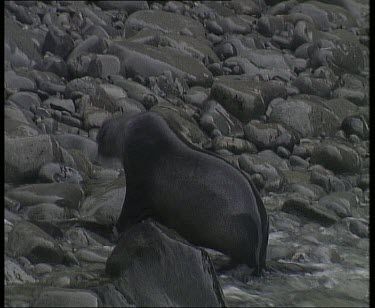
[[144, 151]]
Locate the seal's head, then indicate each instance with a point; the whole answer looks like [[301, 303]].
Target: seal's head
[[111, 135], [148, 137]]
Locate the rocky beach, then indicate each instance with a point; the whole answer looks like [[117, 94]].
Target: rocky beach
[[279, 89]]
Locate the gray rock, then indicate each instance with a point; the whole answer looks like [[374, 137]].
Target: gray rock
[[94, 117], [346, 54], [282, 152], [319, 16], [337, 204], [315, 86], [88, 256], [303, 208], [45, 211], [14, 274], [335, 156], [243, 98], [103, 66], [235, 24], [307, 117], [305, 148], [80, 86], [47, 82], [96, 30], [42, 268], [199, 286], [137, 91], [25, 49], [22, 14], [25, 100], [29, 241], [73, 142], [109, 97], [71, 121], [128, 6], [254, 164], [196, 96], [105, 207], [357, 226], [297, 161], [198, 48], [15, 83], [248, 68], [326, 180], [269, 25], [342, 108], [353, 88], [24, 156], [266, 58], [59, 297], [58, 42], [269, 135], [54, 64], [164, 21], [234, 145], [145, 60], [17, 125], [92, 44], [79, 237], [181, 122], [356, 125], [364, 181], [63, 194], [59, 104], [109, 296], [305, 190]]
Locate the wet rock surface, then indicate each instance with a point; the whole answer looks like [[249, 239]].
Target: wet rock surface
[[280, 89]]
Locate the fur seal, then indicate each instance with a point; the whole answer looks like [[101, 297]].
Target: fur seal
[[195, 192]]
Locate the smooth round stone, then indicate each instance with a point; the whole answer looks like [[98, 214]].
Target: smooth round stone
[[25, 100], [339, 206], [354, 139], [45, 211], [337, 157], [14, 274], [340, 134], [28, 240], [86, 255], [25, 263], [357, 227], [42, 268], [258, 180], [62, 282], [297, 161], [16, 83], [282, 152]]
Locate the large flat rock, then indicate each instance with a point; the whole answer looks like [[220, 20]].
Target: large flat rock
[[146, 61], [155, 267], [165, 22]]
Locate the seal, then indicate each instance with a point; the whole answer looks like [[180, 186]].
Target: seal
[[195, 192]]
